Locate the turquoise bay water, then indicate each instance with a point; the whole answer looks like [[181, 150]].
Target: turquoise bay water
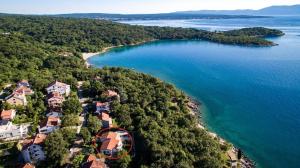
[[252, 95]]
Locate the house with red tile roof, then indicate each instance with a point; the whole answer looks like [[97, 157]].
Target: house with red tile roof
[[93, 162], [23, 89], [106, 120], [49, 125], [39, 139], [8, 114], [111, 143], [27, 165], [33, 152], [59, 87]]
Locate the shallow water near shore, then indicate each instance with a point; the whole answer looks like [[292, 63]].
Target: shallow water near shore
[[252, 94]]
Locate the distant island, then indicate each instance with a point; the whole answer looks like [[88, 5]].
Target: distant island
[[268, 11], [160, 16], [200, 14], [92, 35]]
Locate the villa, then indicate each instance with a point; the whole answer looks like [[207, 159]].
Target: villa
[[33, 151], [17, 99], [23, 89], [8, 131], [111, 143], [55, 101], [93, 162], [49, 125], [8, 114], [23, 86], [59, 87]]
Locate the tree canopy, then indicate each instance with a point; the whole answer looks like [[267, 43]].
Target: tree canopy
[[56, 148]]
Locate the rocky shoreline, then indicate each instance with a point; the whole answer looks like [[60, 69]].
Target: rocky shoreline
[[244, 162]]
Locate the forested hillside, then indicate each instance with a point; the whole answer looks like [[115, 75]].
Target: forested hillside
[[88, 35], [155, 112]]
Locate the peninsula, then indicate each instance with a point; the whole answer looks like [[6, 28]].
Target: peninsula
[[91, 35]]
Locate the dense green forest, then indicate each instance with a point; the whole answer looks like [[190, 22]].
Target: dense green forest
[[90, 35], [255, 31], [155, 112]]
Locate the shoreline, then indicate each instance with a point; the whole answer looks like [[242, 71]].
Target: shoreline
[[86, 56], [244, 162]]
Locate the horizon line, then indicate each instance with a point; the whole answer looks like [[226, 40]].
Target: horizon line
[[113, 13]]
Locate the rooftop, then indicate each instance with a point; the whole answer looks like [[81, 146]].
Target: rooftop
[[21, 89], [109, 144], [23, 81], [109, 135], [111, 93], [99, 104], [28, 165], [7, 114], [93, 162], [91, 158], [57, 83], [39, 138], [26, 142], [50, 121], [105, 116]]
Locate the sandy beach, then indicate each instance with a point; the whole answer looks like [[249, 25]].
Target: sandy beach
[[86, 56]]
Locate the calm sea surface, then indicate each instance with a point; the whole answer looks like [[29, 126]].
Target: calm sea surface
[[251, 95]]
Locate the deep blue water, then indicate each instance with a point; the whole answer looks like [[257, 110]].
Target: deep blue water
[[252, 94]]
